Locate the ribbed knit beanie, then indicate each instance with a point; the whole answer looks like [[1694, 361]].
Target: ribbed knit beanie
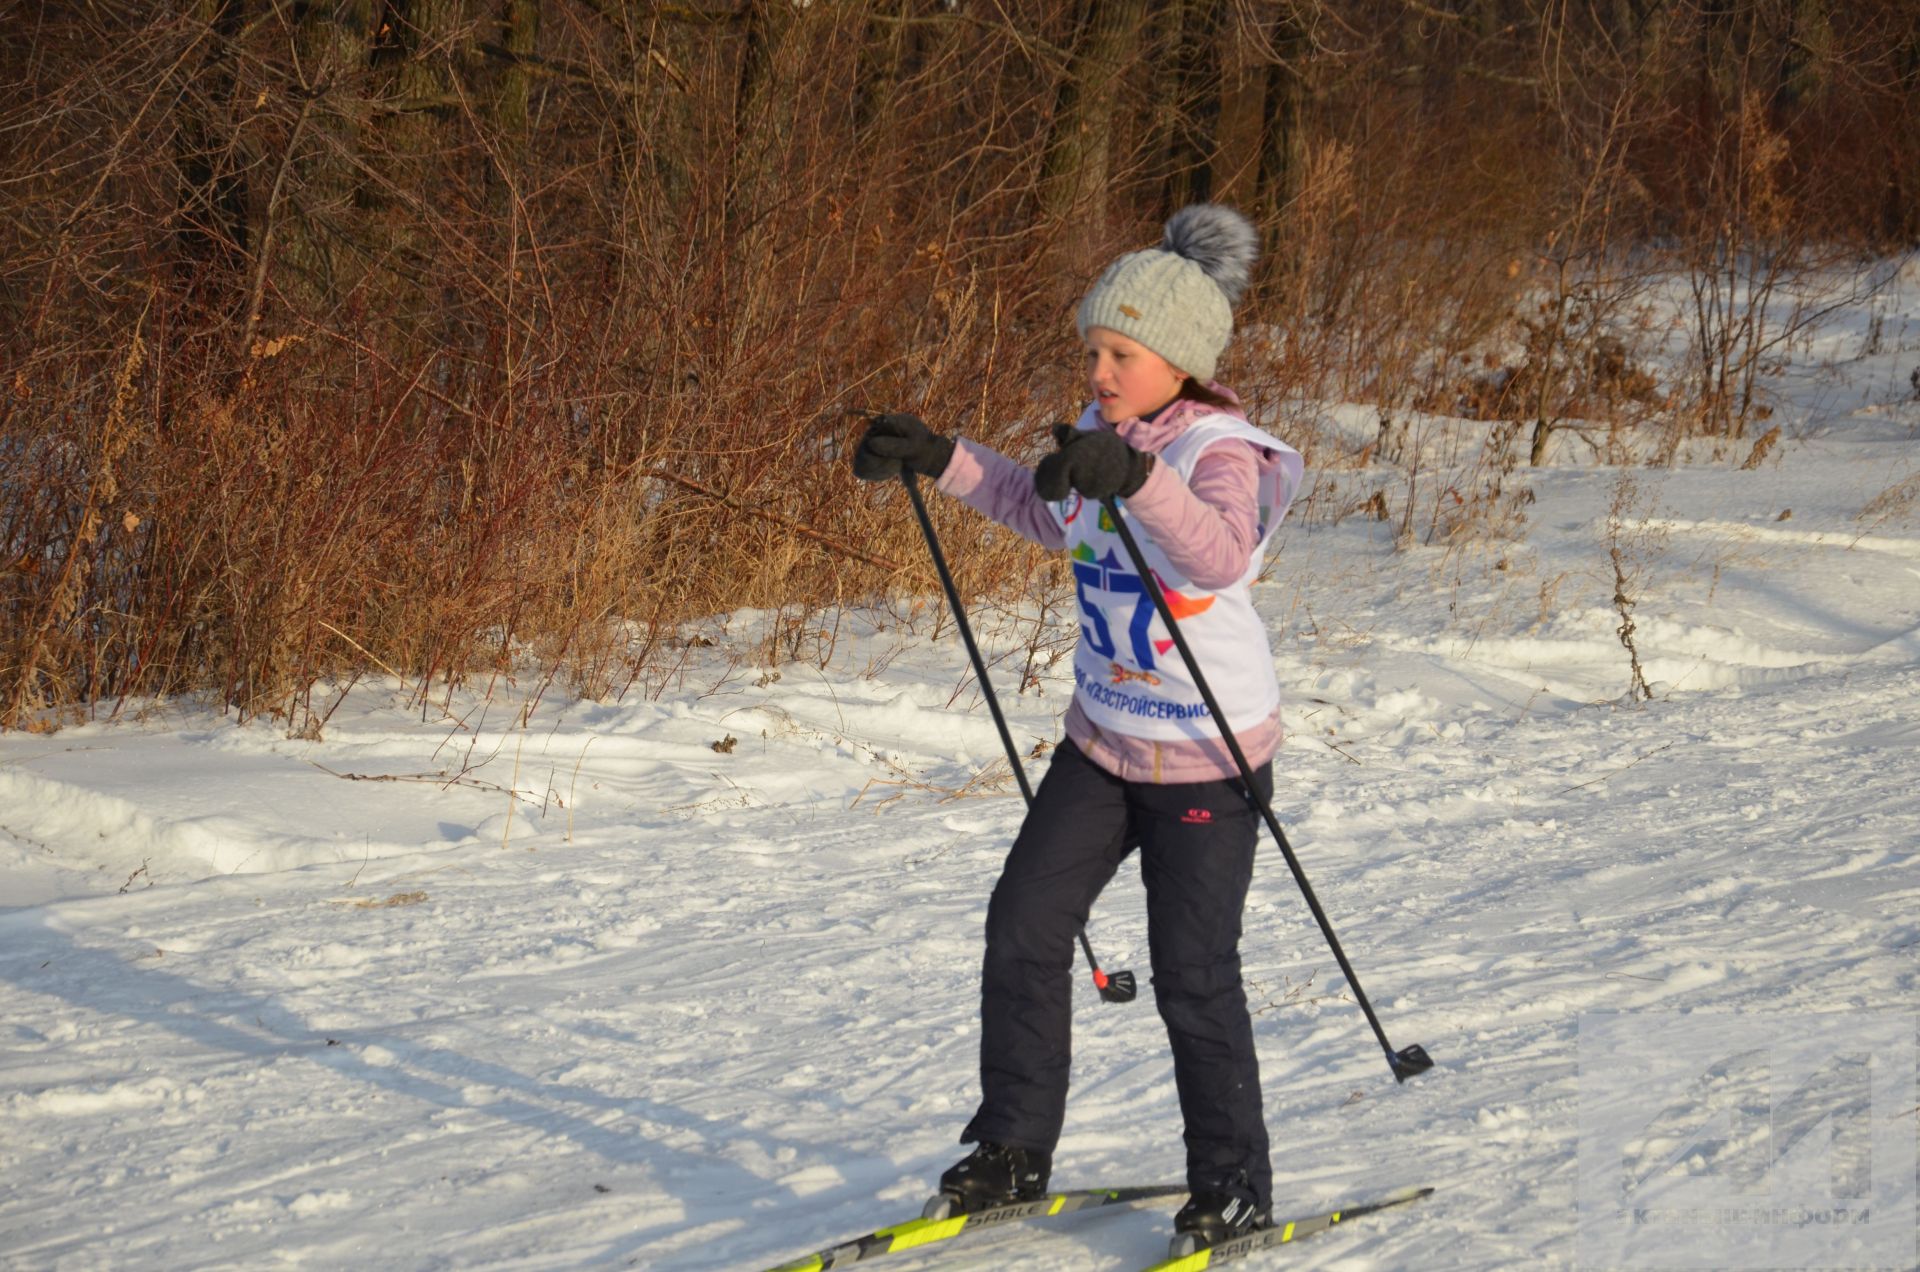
[[1177, 299]]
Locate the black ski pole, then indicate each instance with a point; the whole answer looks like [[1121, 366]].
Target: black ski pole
[[1405, 1062], [1117, 987]]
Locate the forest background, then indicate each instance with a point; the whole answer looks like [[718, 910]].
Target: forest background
[[443, 337]]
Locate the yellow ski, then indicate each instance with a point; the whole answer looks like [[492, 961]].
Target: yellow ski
[[1280, 1233], [916, 1233]]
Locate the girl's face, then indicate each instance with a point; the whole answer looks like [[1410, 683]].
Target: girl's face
[[1127, 378]]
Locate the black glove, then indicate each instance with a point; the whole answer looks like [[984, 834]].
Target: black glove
[[894, 442], [1097, 464]]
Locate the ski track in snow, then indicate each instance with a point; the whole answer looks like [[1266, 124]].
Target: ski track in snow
[[681, 1009]]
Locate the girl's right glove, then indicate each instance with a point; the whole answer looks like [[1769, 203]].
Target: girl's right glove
[[894, 442]]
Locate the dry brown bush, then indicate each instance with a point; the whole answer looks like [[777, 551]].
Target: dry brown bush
[[430, 337]]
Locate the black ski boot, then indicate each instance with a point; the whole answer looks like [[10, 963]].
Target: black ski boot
[[991, 1175], [1209, 1218]]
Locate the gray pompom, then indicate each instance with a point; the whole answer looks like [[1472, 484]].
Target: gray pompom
[[1219, 240]]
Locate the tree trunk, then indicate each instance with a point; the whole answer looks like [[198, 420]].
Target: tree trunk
[[1243, 112], [212, 201], [763, 112], [883, 55], [332, 43], [763, 132], [424, 112], [507, 179], [1187, 149], [1077, 168], [1900, 204], [520, 36], [1284, 155]]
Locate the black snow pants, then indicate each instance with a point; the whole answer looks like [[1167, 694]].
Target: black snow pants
[[1196, 843]]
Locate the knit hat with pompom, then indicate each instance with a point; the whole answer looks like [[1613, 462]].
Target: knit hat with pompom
[[1177, 299]]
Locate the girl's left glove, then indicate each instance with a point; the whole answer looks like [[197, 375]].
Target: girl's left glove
[[1094, 462], [897, 441]]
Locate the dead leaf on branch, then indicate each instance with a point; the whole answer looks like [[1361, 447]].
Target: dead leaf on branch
[[264, 348]]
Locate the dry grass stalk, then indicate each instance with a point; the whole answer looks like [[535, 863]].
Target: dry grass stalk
[[1626, 553]]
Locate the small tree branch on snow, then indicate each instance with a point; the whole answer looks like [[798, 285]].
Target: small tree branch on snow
[[1636, 687], [1623, 601]]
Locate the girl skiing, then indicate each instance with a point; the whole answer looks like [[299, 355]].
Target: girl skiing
[[1143, 764]]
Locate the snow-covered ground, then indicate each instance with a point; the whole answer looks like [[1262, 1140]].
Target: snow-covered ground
[[586, 991]]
